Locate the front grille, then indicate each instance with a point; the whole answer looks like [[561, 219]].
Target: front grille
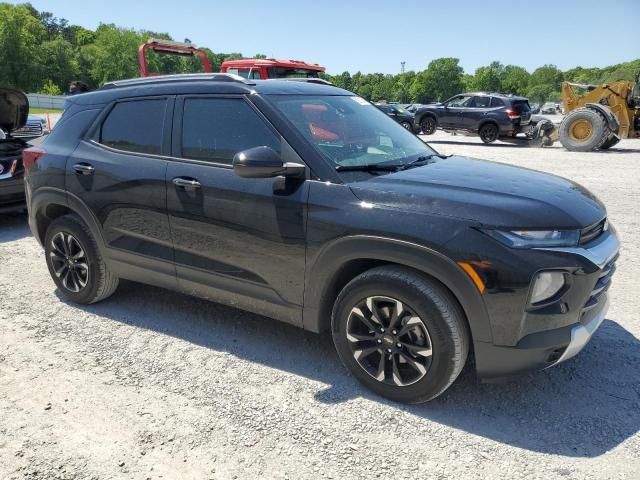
[[28, 131], [592, 231], [601, 286]]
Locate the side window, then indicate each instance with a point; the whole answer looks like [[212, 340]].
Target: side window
[[496, 102], [215, 129], [460, 101], [135, 126], [481, 102]]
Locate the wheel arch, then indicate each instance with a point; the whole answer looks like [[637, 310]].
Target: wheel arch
[[345, 258], [484, 121], [48, 203]]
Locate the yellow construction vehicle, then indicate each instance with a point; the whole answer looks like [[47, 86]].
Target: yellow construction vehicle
[[601, 116]]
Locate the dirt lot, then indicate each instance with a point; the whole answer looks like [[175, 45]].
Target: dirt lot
[[153, 384]]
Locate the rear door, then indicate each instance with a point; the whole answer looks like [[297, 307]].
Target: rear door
[[475, 111], [119, 175], [237, 241]]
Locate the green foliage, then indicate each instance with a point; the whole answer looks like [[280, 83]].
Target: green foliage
[[41, 52], [50, 88]]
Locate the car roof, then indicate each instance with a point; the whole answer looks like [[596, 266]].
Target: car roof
[[204, 83], [496, 94], [273, 62]]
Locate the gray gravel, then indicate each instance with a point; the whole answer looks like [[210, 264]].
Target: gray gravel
[[154, 384]]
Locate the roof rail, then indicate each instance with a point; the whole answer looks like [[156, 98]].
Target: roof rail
[[185, 77], [319, 81]]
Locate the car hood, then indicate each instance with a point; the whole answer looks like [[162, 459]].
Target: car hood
[[489, 193], [14, 109]]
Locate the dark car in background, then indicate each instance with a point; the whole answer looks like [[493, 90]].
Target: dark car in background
[[535, 108], [399, 114], [14, 108], [305, 203], [489, 115], [34, 127]]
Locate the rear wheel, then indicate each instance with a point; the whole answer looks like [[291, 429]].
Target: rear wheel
[[488, 133], [428, 125], [75, 262], [400, 333], [583, 130], [609, 142]]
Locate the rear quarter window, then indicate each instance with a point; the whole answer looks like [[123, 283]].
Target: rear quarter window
[[496, 102], [135, 126]]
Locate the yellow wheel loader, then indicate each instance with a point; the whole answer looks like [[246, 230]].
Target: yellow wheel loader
[[600, 117]]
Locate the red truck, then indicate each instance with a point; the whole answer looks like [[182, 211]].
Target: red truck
[[255, 68], [262, 68]]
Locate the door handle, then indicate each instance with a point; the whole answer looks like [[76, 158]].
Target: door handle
[[186, 183], [83, 169]]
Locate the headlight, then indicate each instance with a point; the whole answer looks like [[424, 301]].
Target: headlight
[[536, 238], [546, 285]]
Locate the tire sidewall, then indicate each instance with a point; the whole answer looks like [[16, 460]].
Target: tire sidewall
[[69, 224], [600, 130], [438, 376]]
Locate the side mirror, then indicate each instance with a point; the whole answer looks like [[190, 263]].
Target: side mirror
[[264, 162]]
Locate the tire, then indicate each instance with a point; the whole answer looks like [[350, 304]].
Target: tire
[[433, 347], [75, 262], [609, 142], [583, 130], [488, 133], [428, 125], [407, 125]]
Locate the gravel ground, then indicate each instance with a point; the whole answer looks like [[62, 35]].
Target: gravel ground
[[154, 384]]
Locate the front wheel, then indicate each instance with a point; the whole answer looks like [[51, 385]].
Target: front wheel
[[75, 263], [400, 333], [583, 130], [488, 133], [407, 125]]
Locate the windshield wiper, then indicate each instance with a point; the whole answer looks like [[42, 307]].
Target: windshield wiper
[[423, 160], [370, 167]]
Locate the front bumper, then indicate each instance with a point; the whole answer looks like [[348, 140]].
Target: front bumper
[[546, 336]]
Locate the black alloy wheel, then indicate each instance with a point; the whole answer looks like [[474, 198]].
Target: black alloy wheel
[[389, 341], [69, 261]]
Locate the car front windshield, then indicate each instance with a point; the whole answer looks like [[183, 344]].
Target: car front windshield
[[349, 131]]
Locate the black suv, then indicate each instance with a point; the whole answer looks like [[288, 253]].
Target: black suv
[[490, 115], [399, 114], [305, 203]]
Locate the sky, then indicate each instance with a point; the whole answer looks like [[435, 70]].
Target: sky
[[375, 35]]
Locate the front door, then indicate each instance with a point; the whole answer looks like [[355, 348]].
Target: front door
[[452, 114], [237, 241], [119, 175]]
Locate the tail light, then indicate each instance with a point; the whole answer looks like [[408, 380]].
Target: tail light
[[512, 113], [30, 156]]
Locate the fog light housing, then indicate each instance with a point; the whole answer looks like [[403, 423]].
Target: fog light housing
[[546, 285]]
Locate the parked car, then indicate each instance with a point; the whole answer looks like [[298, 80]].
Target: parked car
[[535, 108], [13, 114], [34, 127], [399, 114], [490, 115], [549, 108], [305, 203]]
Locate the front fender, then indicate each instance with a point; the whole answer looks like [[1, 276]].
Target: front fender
[[321, 275]]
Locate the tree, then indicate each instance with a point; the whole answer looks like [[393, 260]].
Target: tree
[[441, 80], [514, 80], [58, 62], [20, 36], [113, 55], [488, 79]]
